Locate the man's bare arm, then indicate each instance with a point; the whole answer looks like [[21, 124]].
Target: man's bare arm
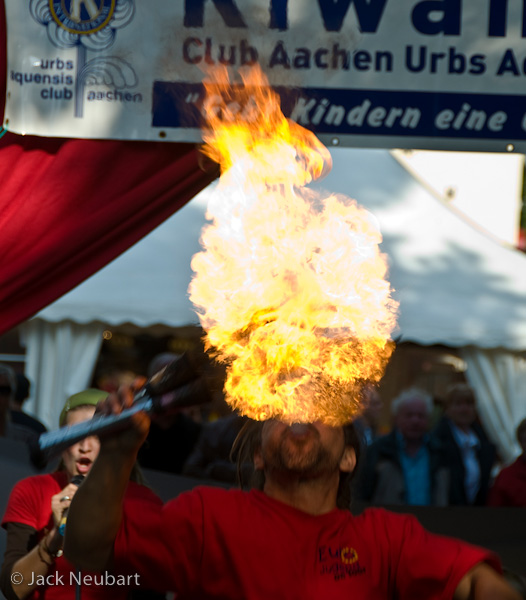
[[95, 513], [484, 583]]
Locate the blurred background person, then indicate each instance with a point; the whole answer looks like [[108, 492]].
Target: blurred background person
[[210, 458], [35, 512], [20, 419], [367, 425], [405, 466], [7, 394], [509, 488], [173, 436], [467, 451]]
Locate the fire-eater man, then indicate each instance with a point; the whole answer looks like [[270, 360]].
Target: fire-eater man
[[289, 540]]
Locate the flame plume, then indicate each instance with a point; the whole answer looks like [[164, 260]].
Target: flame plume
[[291, 286]]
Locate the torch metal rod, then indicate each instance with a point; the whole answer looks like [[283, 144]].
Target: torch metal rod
[[54, 442], [175, 387]]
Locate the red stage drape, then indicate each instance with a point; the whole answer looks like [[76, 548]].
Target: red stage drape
[[69, 206]]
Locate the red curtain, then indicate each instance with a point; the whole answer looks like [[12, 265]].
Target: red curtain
[[69, 206]]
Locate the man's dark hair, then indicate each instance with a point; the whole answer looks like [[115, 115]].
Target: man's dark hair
[[352, 439], [248, 442], [458, 390], [23, 385]]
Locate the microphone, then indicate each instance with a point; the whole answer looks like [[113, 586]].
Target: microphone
[[174, 387], [76, 480]]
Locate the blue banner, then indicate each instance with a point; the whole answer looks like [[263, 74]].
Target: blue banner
[[366, 112]]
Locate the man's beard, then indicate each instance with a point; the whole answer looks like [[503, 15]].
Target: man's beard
[[305, 457]]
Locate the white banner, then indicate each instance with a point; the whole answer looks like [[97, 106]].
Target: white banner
[[447, 74]]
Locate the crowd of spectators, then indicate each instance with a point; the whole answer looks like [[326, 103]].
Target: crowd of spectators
[[450, 462], [422, 458]]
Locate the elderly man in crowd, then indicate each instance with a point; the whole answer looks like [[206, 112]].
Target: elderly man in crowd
[[405, 466]]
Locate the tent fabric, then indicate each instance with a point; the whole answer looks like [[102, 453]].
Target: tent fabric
[[66, 212], [61, 358], [455, 285], [145, 286], [68, 207], [499, 380]]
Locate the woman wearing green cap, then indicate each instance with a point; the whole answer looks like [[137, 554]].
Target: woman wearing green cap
[[35, 519]]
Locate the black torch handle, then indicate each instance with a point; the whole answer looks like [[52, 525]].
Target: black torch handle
[[158, 395]]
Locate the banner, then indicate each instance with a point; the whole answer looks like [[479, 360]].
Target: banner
[[436, 74]]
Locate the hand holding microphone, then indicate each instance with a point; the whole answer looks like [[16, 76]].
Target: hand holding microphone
[[59, 506], [72, 488], [61, 501]]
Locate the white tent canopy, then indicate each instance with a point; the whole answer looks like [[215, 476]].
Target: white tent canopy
[[456, 285], [147, 284]]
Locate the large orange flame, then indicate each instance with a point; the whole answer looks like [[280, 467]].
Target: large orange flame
[[290, 287]]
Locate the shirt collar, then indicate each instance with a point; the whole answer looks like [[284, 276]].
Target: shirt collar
[[401, 443], [465, 439]]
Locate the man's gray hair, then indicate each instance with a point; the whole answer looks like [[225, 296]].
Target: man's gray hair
[[409, 394]]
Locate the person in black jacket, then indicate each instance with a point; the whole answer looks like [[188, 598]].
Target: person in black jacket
[[20, 419], [210, 458], [173, 436], [467, 451]]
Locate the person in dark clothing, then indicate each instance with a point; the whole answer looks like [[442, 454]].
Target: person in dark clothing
[[169, 443], [211, 456], [172, 437], [19, 418], [367, 424], [467, 451], [7, 392]]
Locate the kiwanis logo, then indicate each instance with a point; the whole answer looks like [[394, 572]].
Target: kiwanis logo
[[82, 16]]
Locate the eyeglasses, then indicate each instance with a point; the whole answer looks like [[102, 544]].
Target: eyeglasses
[[5, 390]]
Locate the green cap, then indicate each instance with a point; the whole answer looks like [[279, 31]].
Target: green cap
[[90, 397]]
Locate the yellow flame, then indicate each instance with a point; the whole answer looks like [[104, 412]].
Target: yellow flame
[[291, 286]]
